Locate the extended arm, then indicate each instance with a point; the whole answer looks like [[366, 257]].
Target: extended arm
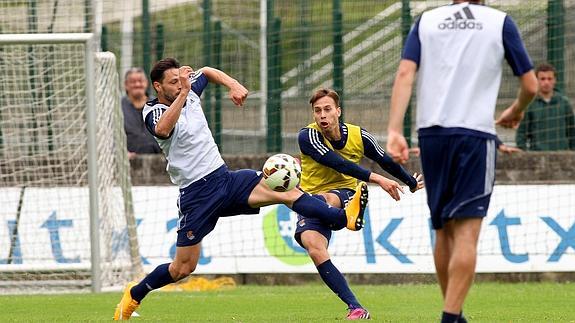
[[238, 93], [311, 144], [373, 151]]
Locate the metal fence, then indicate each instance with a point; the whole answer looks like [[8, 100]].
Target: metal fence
[[283, 50]]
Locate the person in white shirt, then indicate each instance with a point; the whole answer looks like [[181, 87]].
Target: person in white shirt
[[457, 53], [208, 190]]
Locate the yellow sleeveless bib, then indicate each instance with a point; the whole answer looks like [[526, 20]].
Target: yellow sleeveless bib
[[316, 178]]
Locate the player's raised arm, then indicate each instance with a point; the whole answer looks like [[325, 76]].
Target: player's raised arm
[[238, 93], [172, 89]]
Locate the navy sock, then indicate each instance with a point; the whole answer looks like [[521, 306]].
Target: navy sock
[[160, 277], [311, 207], [461, 318], [449, 317], [337, 283]]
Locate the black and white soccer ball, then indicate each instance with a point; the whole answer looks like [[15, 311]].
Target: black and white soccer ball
[[282, 172]]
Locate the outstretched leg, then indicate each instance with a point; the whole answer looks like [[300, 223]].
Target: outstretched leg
[[184, 264], [308, 206]]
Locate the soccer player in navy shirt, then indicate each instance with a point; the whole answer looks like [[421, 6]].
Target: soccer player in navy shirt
[[457, 52], [208, 190], [330, 154]]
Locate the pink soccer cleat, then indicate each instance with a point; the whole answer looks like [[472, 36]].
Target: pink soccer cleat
[[358, 314]]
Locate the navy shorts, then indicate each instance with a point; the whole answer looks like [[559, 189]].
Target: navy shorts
[[304, 224], [202, 203], [459, 173]]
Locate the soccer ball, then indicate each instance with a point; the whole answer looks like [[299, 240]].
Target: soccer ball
[[281, 172]]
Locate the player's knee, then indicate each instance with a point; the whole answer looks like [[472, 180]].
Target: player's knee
[[465, 263], [182, 270], [317, 253], [333, 200], [291, 196]]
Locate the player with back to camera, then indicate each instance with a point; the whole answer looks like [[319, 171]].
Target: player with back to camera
[[457, 52], [330, 153], [208, 190]]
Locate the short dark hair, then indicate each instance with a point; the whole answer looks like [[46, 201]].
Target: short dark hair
[[322, 93], [545, 67], [157, 73]]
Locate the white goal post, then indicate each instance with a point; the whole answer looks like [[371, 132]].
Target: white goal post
[[58, 171]]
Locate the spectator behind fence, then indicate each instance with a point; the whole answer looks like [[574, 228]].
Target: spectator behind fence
[[549, 123], [139, 140]]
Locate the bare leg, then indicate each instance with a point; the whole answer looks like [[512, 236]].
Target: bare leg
[[314, 242], [461, 270], [262, 195], [442, 255], [316, 245], [308, 206], [185, 261]]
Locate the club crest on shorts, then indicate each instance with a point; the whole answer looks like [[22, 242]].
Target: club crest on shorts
[[190, 235], [301, 222]]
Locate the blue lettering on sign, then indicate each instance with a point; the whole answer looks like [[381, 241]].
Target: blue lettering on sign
[[53, 225], [16, 250], [170, 225], [567, 238], [383, 240], [286, 221], [501, 222]]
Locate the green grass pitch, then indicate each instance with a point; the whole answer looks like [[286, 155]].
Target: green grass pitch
[[488, 302]]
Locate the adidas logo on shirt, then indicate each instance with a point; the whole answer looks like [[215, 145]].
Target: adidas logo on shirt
[[458, 22]]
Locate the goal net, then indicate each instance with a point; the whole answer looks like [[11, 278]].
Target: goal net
[[45, 197]]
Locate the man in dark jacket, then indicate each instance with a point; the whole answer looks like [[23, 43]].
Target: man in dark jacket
[[549, 123]]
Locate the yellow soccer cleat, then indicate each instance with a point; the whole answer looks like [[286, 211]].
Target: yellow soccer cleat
[[127, 305], [356, 207]]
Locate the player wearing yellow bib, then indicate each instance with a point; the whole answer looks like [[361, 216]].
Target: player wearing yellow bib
[[330, 154]]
